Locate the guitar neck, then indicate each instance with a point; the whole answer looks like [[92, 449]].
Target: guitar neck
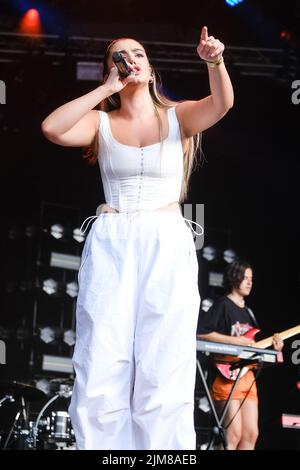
[[267, 342]]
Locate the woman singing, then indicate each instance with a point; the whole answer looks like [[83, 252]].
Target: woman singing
[[138, 301]]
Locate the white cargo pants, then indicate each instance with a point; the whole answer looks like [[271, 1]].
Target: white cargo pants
[[135, 352]]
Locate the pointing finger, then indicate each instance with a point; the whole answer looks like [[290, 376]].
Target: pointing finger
[[204, 34]]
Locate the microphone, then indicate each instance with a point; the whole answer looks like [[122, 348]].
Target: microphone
[[121, 64]]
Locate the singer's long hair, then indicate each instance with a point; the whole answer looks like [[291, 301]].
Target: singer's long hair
[[192, 145]]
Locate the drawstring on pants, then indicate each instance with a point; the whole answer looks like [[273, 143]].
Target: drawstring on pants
[[190, 222], [90, 218]]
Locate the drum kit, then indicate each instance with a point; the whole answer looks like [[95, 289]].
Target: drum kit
[[51, 429]]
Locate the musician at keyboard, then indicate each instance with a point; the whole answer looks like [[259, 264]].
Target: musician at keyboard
[[230, 321]]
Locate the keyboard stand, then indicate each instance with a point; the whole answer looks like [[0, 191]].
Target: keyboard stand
[[245, 355], [218, 429]]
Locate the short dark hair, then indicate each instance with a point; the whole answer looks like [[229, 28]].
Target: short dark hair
[[234, 274]]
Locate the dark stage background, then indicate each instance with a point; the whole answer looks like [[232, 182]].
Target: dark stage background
[[249, 181]]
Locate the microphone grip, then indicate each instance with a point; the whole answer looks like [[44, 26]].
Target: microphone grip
[[121, 64]]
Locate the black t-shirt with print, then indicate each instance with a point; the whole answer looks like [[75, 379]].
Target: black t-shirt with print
[[225, 317]]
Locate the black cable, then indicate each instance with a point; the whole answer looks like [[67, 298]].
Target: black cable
[[245, 397], [11, 430]]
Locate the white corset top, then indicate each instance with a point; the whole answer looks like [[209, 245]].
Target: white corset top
[[143, 178]]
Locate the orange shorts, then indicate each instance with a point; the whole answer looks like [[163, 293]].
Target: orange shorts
[[221, 388]]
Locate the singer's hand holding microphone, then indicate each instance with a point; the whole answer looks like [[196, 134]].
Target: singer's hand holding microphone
[[121, 73]]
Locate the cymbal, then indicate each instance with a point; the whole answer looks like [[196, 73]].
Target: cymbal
[[62, 381], [18, 389]]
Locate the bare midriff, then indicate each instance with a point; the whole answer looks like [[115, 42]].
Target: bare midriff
[[173, 207]]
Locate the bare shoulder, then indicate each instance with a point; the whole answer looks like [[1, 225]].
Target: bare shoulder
[[114, 114], [184, 138], [94, 117], [182, 108], [180, 111]]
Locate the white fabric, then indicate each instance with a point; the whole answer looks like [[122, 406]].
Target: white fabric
[[140, 178], [135, 353]]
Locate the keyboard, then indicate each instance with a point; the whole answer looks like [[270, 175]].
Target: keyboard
[[242, 352]]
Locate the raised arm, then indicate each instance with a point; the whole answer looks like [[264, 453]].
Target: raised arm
[[196, 116], [75, 123]]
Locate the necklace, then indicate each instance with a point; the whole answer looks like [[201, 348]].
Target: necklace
[[240, 303]]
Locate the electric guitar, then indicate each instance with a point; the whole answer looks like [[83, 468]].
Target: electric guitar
[[231, 374]]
